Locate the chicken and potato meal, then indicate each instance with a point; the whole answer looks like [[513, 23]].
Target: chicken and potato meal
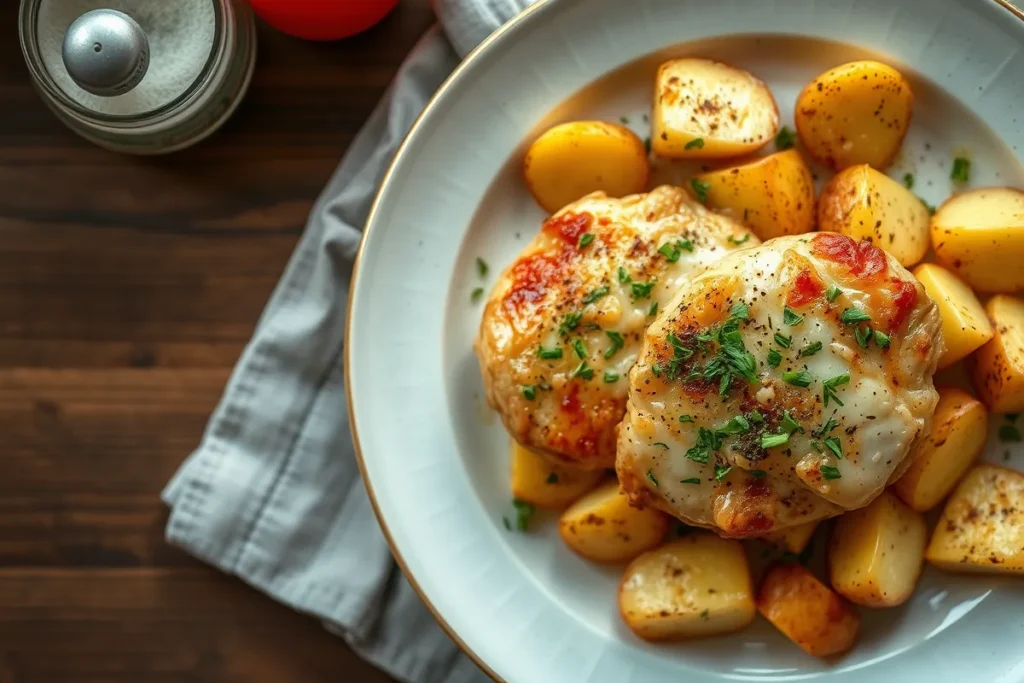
[[686, 369]]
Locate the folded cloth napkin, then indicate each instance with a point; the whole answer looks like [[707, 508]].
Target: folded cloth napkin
[[273, 494]]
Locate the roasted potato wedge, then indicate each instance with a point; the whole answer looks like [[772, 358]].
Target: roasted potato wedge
[[698, 585], [965, 326], [794, 539], [998, 366], [867, 205], [574, 159], [807, 611], [982, 526], [957, 436], [856, 113], [705, 109], [773, 196], [979, 235], [877, 552], [602, 526], [540, 483]]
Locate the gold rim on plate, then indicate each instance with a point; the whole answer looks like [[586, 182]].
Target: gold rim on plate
[[512, 23]]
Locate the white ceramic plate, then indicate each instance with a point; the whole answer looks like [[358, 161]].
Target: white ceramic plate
[[434, 456]]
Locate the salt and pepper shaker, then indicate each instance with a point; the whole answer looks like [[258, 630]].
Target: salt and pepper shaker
[[106, 52]]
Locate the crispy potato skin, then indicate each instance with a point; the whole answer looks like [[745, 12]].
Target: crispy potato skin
[[705, 109], [807, 611], [576, 158], [538, 481], [877, 553], [603, 527], [997, 368], [856, 113], [979, 235], [957, 436], [982, 526], [773, 196], [965, 325], [695, 586], [867, 205]]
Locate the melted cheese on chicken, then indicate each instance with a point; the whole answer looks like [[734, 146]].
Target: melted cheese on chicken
[[786, 384], [565, 321]]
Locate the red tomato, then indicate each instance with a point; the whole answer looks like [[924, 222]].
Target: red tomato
[[322, 19]]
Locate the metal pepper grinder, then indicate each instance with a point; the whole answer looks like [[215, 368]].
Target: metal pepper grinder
[[106, 52]]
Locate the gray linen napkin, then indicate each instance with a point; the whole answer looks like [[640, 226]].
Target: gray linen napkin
[[273, 494]]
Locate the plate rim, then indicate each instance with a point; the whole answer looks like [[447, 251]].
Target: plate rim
[[504, 32]]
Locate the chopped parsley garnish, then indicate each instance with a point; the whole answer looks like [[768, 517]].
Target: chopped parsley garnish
[[755, 416], [580, 348], [700, 188], [481, 267], [583, 370], [882, 339], [732, 360], [695, 143], [524, 511], [569, 323], [686, 418], [722, 472], [788, 425], [851, 316], [863, 335], [647, 144], [654, 479], [641, 290], [623, 120], [737, 425], [774, 358], [552, 478], [549, 354], [824, 429], [757, 473], [739, 240], [476, 294], [833, 444], [783, 341], [705, 615], [610, 377], [672, 251], [773, 440], [707, 441], [680, 353], [785, 139], [529, 391], [829, 472], [832, 293], [653, 310], [595, 295], [811, 349], [617, 343], [691, 480], [830, 388], [508, 524], [930, 207], [662, 444], [908, 181], [1009, 433], [961, 172], [585, 239], [800, 378], [624, 277], [740, 311], [791, 317]]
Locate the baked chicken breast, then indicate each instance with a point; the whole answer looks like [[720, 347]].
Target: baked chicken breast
[[785, 384], [564, 323]]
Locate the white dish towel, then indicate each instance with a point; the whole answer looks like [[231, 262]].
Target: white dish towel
[[273, 494]]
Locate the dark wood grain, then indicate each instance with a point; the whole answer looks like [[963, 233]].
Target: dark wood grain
[[128, 288]]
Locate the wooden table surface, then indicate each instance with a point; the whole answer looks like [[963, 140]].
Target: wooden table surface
[[128, 288]]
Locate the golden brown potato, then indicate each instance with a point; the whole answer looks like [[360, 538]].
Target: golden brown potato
[[602, 526], [998, 366], [538, 482], [794, 538], [979, 234], [867, 205], [982, 527], [705, 109], [958, 432], [807, 611], [965, 326], [855, 113], [698, 585], [877, 552], [773, 196], [574, 159]]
